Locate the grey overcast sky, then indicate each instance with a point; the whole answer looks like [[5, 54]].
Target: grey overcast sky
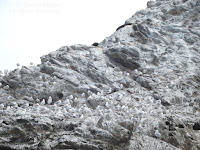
[[32, 28]]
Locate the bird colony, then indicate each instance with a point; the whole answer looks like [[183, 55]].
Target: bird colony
[[138, 89]]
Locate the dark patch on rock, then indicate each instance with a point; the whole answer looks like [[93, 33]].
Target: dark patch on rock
[[122, 26], [22, 121], [196, 126], [59, 95], [180, 126]]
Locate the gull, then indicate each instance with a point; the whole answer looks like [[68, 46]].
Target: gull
[[10, 98], [81, 117], [140, 113], [31, 98], [158, 102], [89, 92], [117, 107], [98, 93], [66, 102], [67, 65], [1, 106], [58, 102], [119, 96], [83, 95], [101, 98], [126, 74], [144, 63], [25, 105], [6, 87], [108, 90], [93, 95], [49, 101], [39, 78], [107, 105], [37, 100], [89, 98], [134, 119], [149, 100], [157, 134], [121, 86], [42, 102], [70, 97], [14, 104], [0, 84], [135, 73], [102, 92], [43, 109]]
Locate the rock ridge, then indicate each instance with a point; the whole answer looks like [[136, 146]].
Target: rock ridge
[[138, 89]]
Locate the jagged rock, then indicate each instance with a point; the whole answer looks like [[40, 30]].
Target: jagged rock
[[137, 89]]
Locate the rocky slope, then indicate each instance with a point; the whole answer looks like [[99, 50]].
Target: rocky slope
[[138, 89]]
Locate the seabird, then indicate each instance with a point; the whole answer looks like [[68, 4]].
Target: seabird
[[157, 134], [49, 101], [42, 102]]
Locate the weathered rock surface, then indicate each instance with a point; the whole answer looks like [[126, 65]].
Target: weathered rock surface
[[137, 89]]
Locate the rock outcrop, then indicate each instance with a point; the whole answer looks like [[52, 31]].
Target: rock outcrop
[[138, 89]]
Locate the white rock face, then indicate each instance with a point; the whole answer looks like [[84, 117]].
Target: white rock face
[[138, 89]]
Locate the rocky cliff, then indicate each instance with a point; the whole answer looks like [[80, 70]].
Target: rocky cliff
[[138, 89]]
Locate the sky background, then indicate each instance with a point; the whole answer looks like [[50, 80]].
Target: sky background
[[32, 28]]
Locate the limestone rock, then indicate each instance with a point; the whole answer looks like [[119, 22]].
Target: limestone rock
[[137, 89]]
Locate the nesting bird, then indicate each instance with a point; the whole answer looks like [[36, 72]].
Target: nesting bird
[[83, 95], [37, 100], [58, 102], [1, 106], [157, 134], [70, 97], [108, 90], [10, 98], [89, 92], [42, 102], [6, 87], [119, 96], [136, 73], [158, 102]]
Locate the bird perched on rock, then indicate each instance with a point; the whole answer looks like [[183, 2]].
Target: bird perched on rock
[[83, 95], [49, 101], [58, 102], [121, 86], [42, 102], [10, 98], [1, 106], [119, 96], [70, 97], [157, 134], [6, 87], [89, 92], [37, 100]]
